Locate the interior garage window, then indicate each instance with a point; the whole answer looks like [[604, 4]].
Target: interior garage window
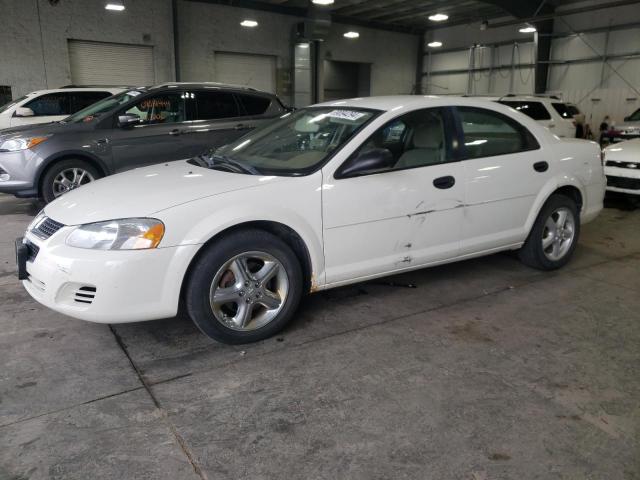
[[165, 108], [488, 133], [80, 100], [535, 110], [253, 104], [213, 105], [51, 104]]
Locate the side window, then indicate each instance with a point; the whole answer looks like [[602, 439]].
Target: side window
[[254, 104], [163, 108], [50, 104], [80, 100], [535, 110], [416, 139], [488, 133], [214, 105]]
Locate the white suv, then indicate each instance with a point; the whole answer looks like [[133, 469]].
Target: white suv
[[45, 106], [549, 111]]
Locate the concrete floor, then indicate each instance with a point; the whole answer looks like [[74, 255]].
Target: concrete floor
[[485, 370]]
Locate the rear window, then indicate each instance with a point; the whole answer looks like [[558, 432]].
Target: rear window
[[535, 110], [565, 111], [215, 105], [253, 104]]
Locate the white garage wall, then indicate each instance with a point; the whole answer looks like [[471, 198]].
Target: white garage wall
[[596, 89], [206, 28], [29, 62]]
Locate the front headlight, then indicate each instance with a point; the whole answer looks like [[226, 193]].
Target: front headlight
[[17, 144], [123, 234]]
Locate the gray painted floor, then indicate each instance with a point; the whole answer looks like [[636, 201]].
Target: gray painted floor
[[485, 370]]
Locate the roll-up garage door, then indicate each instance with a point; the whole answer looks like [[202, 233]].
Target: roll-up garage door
[[257, 71], [97, 63]]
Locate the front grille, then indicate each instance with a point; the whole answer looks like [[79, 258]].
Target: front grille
[[614, 163], [47, 227], [33, 250], [623, 182]]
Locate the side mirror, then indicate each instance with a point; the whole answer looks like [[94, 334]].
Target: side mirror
[[368, 161], [24, 112], [626, 119], [128, 120]]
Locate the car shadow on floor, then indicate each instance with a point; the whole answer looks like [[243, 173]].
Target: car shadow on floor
[[26, 206]]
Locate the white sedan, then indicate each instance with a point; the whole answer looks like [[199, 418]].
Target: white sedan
[[328, 195], [622, 167]]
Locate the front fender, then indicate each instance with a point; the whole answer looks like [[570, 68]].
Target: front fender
[[197, 222]]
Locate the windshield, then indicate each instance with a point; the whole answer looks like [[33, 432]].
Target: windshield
[[7, 106], [96, 109], [634, 117], [299, 142]]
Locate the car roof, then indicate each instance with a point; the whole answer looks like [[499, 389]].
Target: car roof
[[216, 85], [396, 102], [78, 89]]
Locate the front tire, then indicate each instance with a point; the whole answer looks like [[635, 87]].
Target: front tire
[[67, 175], [554, 235], [245, 287]]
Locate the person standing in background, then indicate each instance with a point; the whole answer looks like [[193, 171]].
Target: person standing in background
[[580, 126], [604, 128]]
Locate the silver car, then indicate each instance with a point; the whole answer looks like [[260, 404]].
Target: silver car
[[134, 128]]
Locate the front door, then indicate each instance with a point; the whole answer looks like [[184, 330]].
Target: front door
[[407, 215], [156, 138], [50, 107]]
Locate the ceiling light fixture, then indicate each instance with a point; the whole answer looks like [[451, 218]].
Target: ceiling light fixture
[[351, 35], [528, 29], [439, 17], [322, 2], [434, 44], [114, 5], [249, 23]]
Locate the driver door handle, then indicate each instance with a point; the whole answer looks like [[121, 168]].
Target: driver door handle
[[444, 182]]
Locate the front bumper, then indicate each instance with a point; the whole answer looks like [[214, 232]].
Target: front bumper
[[623, 180], [18, 172], [106, 286]]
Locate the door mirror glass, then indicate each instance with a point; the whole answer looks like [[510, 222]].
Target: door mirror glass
[[128, 120], [367, 162], [24, 112]]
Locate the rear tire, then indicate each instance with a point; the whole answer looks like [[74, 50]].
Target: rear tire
[[67, 175], [554, 235], [244, 287]]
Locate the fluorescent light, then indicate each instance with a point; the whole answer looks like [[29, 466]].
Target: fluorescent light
[[249, 23], [528, 29], [322, 2], [116, 6], [351, 35], [439, 17], [303, 45], [434, 44]]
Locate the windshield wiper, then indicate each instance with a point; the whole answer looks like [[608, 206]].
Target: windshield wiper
[[215, 160]]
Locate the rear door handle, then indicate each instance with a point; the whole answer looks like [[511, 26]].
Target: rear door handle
[[541, 166], [444, 182], [175, 131]]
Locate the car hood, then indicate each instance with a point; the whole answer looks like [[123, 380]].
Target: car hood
[[41, 129], [631, 127], [628, 151], [145, 191]]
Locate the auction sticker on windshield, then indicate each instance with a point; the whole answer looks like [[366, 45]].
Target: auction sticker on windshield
[[346, 114]]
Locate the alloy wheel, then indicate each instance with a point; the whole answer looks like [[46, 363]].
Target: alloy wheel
[[69, 179], [558, 234], [249, 291]]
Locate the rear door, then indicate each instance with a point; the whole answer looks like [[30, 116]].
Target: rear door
[[50, 107], [504, 169], [217, 120], [156, 138]]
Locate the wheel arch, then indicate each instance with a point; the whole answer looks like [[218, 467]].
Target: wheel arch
[[570, 187], [290, 236], [51, 161]]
